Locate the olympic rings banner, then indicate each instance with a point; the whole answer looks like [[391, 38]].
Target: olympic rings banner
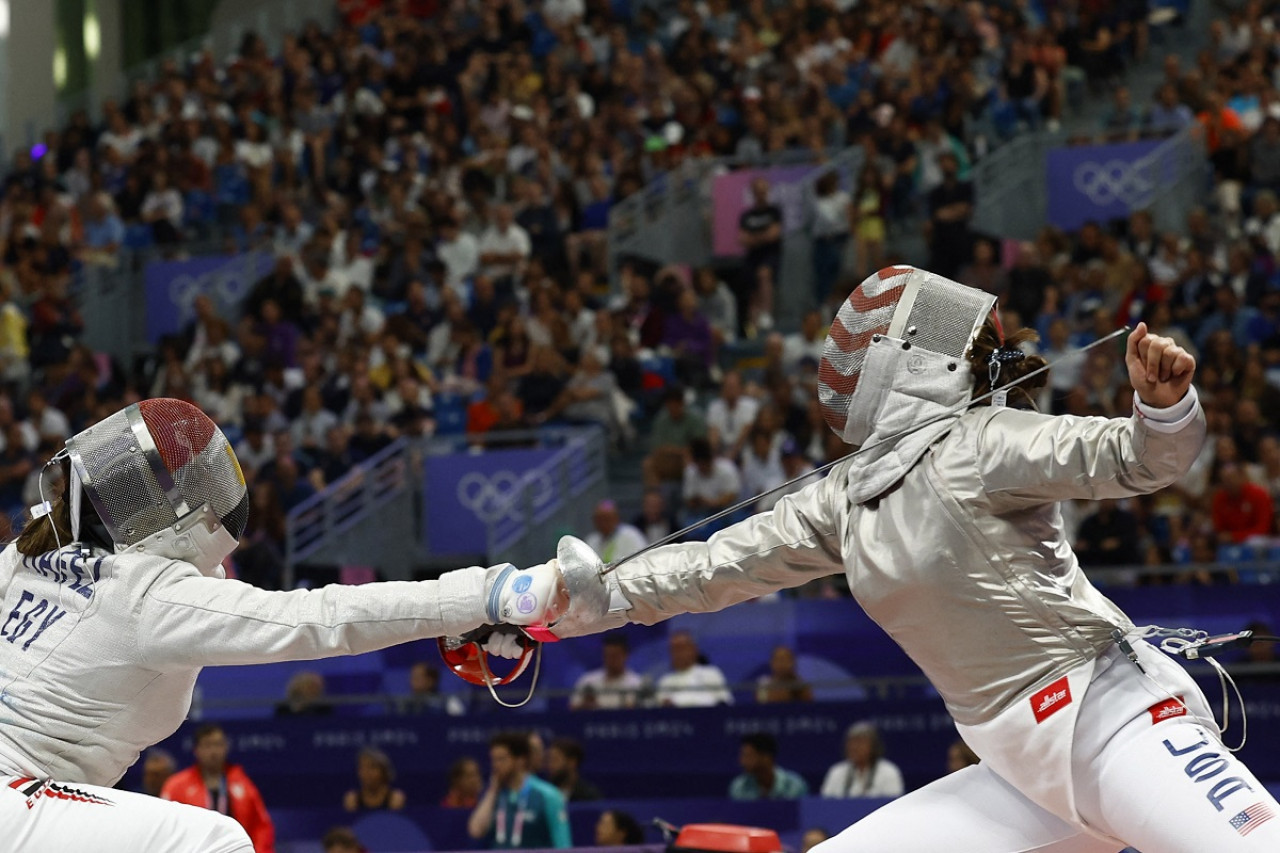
[[1102, 182], [172, 288], [465, 493]]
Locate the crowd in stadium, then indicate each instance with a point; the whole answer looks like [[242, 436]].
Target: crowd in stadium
[[435, 191]]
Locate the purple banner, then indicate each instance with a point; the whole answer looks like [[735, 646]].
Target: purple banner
[[731, 195], [466, 492], [172, 288], [1101, 182]]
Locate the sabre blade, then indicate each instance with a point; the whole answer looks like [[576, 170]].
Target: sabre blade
[[680, 534]]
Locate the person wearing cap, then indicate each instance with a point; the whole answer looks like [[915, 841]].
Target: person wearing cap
[[865, 772], [613, 538]]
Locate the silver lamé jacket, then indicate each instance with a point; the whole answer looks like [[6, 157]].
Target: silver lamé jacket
[[962, 559]]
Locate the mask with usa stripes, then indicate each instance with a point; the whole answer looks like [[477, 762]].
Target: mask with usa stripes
[[894, 359], [162, 479]]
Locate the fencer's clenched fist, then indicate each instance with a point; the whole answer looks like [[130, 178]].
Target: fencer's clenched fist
[[1159, 370], [532, 596]]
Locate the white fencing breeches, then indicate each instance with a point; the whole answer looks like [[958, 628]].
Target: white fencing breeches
[[1158, 783], [50, 817]]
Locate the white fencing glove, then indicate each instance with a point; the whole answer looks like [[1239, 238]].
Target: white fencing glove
[[532, 596]]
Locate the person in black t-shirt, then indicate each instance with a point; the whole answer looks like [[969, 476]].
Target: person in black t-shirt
[[760, 232]]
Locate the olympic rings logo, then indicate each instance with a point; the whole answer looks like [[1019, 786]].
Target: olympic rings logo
[[1115, 180], [494, 497]]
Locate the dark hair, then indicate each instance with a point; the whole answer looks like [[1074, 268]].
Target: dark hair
[[516, 743], [340, 835], [762, 742], [459, 767], [569, 748], [632, 833], [42, 535], [204, 731], [700, 449], [619, 640], [987, 342]]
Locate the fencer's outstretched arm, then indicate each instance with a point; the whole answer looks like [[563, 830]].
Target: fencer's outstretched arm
[[795, 542], [186, 619]]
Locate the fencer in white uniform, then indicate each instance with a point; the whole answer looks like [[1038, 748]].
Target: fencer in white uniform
[[949, 533], [113, 598]]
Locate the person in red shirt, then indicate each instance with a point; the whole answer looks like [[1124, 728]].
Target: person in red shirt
[[1240, 508], [212, 783]]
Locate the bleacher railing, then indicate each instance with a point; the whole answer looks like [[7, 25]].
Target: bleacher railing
[[549, 500], [1011, 184], [345, 503]]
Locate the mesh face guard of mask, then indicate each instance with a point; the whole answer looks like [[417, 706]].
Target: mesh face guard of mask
[[903, 303], [163, 480]]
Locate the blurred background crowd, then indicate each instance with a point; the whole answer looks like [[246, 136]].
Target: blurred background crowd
[[434, 181]]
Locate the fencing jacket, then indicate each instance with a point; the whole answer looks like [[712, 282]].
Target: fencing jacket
[[99, 653], [963, 560]]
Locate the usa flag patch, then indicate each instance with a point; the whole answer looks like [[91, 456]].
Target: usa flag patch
[[1252, 818]]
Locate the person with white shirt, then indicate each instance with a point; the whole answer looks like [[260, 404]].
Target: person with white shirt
[[690, 684], [612, 539], [865, 772], [460, 254], [711, 482], [614, 685], [730, 416], [504, 246], [804, 344]]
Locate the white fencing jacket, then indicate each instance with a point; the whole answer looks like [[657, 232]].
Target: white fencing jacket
[[99, 653]]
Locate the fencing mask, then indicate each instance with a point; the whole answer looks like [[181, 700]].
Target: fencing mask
[[895, 357], [163, 480]]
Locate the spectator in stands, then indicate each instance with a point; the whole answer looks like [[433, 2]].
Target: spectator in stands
[[689, 337], [730, 416], [504, 247], [869, 207], [518, 810], [212, 783], [865, 772], [760, 234], [674, 427], [783, 682], [654, 520], [960, 756], [304, 696], [614, 685], [588, 397], [341, 840], [1123, 121], [812, 837], [691, 683], [157, 766], [612, 539], [795, 468], [950, 209], [375, 774], [831, 220], [1241, 509], [425, 696], [717, 304], [564, 763], [761, 777], [1167, 115], [617, 829], [1108, 536], [465, 784], [805, 344], [711, 483]]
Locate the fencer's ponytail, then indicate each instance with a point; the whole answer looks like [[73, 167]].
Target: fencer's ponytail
[[46, 533], [987, 344]]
